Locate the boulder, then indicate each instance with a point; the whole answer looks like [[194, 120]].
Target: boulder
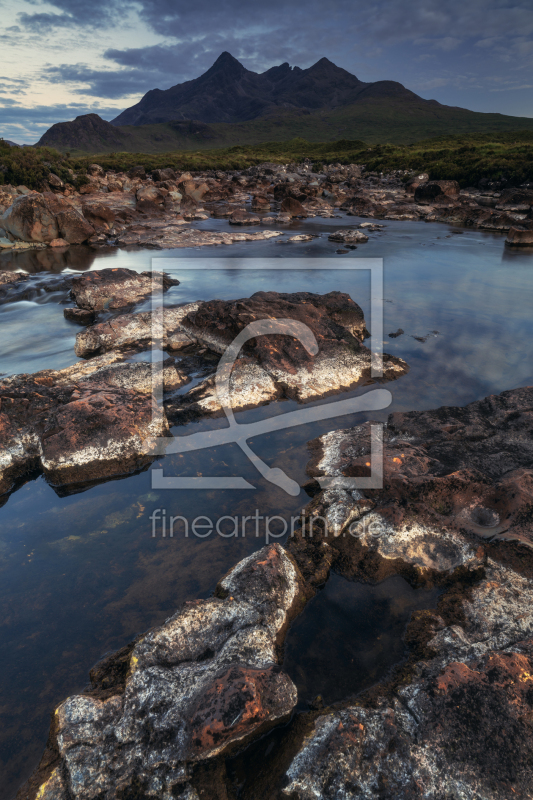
[[55, 181], [96, 171], [285, 365], [290, 205], [31, 219], [72, 225], [98, 215], [110, 289], [192, 191], [151, 193], [166, 174], [59, 243], [137, 172], [517, 237], [260, 203], [433, 190], [83, 316]]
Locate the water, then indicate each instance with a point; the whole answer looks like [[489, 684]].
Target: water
[[81, 575], [362, 625]]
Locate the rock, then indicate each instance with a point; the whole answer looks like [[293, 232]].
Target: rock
[[348, 236], [55, 181], [414, 182], [72, 226], [98, 215], [191, 191], [9, 278], [31, 219], [59, 243], [520, 200], [460, 732], [455, 721], [131, 332], [302, 237], [260, 203], [85, 423], [432, 190], [96, 171], [137, 172], [334, 319], [109, 289], [470, 466], [203, 684], [166, 174], [519, 238], [151, 193], [293, 207], [82, 316], [149, 208], [244, 218]]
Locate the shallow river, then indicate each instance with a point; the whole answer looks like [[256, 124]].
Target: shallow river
[[81, 575]]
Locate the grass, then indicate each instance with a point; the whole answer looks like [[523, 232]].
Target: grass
[[466, 158]]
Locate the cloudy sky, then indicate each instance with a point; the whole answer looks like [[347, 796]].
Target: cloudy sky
[[62, 58]]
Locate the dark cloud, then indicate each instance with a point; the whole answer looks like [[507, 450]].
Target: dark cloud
[[101, 83], [74, 13]]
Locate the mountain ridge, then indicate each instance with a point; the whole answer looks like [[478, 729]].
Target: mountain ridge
[[228, 92]]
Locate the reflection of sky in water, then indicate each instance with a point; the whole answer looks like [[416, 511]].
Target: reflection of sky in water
[[81, 575], [362, 624]]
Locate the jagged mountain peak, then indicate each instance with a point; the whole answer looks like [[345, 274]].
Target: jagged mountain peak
[[229, 92]]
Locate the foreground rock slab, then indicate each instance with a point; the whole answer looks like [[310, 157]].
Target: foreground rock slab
[[271, 366], [85, 423], [110, 289], [205, 682], [455, 511]]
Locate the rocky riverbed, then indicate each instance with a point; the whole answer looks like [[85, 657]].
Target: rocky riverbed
[[181, 711], [98, 418], [162, 715], [159, 210]]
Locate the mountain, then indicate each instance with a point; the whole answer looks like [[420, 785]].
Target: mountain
[[228, 92], [230, 105], [375, 121], [87, 132]]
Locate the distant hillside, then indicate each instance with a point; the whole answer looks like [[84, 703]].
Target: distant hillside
[[228, 92], [376, 121]]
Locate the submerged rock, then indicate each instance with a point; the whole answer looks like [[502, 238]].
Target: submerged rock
[[204, 683]]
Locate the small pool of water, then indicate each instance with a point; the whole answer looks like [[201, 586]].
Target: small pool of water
[[349, 636]]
